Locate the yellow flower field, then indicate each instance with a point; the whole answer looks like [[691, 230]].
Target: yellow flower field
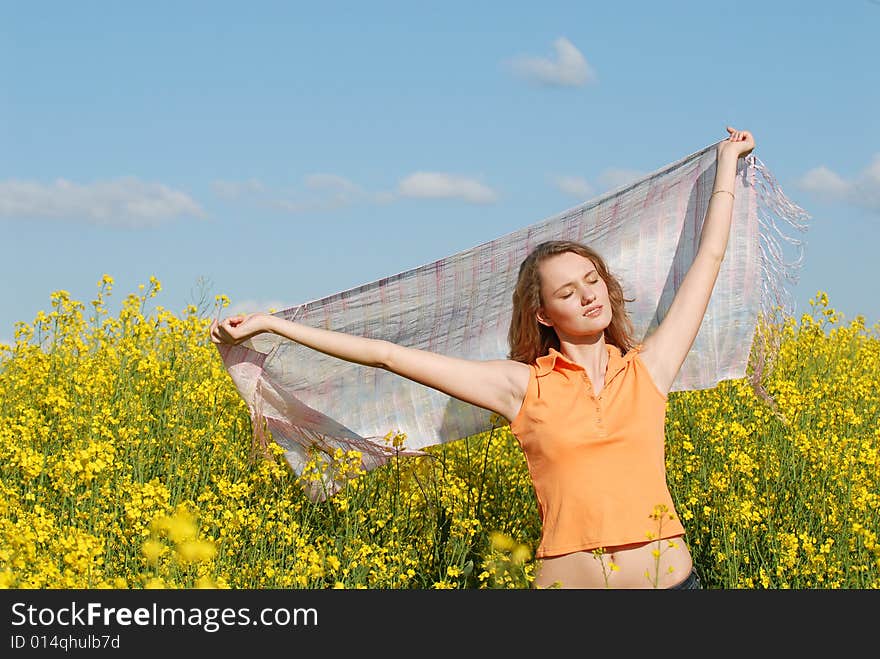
[[127, 461]]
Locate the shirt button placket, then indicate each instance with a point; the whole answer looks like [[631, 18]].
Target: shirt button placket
[[596, 400]]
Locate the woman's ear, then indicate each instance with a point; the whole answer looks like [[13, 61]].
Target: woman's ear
[[542, 318]]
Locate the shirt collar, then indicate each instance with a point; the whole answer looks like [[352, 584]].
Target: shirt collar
[[555, 360]]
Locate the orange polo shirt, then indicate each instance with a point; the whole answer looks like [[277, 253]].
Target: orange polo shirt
[[597, 462]]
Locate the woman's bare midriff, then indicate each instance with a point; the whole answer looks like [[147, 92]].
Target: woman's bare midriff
[[637, 566]]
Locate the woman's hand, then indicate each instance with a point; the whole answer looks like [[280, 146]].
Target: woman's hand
[[738, 145], [237, 329]]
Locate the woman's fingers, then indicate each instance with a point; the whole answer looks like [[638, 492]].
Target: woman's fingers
[[232, 329], [742, 138], [220, 331], [738, 135]]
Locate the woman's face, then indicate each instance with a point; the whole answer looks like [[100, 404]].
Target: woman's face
[[574, 297]]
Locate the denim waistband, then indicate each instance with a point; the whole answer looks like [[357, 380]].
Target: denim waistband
[[691, 582]]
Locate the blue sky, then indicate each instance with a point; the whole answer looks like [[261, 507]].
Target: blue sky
[[278, 152]]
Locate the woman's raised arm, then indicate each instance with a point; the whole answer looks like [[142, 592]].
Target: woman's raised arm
[[497, 385], [665, 350]]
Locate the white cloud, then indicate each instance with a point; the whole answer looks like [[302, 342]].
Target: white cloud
[[339, 190], [569, 69], [237, 189], [127, 202], [610, 179], [319, 192], [862, 191], [614, 178], [574, 186], [435, 185], [823, 182], [384, 197], [332, 182], [323, 192]]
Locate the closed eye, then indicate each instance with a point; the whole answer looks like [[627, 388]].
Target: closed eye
[[593, 281]]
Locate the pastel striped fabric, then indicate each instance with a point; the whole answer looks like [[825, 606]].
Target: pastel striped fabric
[[648, 231]]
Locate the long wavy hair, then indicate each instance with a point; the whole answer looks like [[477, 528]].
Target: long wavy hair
[[528, 339]]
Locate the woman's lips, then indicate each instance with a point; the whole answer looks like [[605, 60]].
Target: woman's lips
[[595, 312]]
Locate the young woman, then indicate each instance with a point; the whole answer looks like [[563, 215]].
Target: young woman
[[585, 402]]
